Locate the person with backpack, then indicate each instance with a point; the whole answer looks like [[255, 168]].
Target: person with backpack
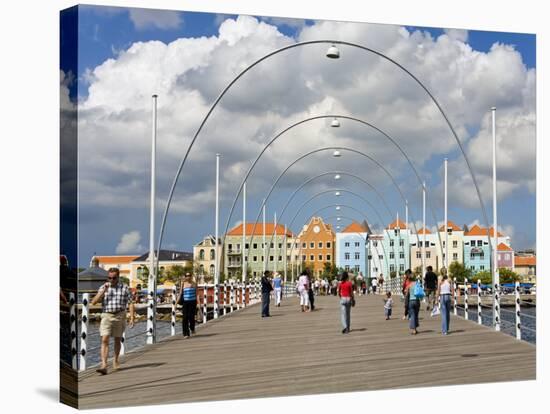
[[415, 293]]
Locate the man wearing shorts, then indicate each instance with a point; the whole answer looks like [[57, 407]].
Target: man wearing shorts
[[430, 287], [116, 297]]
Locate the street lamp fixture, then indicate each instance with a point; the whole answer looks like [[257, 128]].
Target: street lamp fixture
[[337, 207], [337, 177], [335, 123], [333, 52], [336, 154], [337, 193], [338, 218]]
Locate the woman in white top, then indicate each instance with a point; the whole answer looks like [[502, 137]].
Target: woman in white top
[[445, 290], [303, 288]]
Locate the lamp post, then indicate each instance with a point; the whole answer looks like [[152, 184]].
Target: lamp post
[[152, 282], [217, 259], [496, 276], [446, 261]]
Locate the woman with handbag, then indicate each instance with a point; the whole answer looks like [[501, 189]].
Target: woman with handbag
[[188, 300], [414, 303], [347, 300]]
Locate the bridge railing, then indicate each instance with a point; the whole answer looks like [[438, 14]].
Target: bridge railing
[[213, 302]]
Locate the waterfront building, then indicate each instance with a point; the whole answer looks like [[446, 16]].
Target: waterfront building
[[204, 254], [432, 258], [477, 255], [254, 249], [505, 257], [122, 262], [525, 265], [317, 245], [455, 236], [352, 249], [397, 246], [377, 258], [166, 259]]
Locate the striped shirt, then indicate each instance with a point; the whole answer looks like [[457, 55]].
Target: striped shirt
[[116, 298], [189, 293]]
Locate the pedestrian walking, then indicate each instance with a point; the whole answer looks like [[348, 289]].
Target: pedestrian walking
[[374, 283], [345, 293], [303, 291], [445, 291], [188, 301], [430, 286], [277, 288], [310, 293], [381, 282], [266, 292], [404, 290], [388, 305], [414, 303], [116, 298]]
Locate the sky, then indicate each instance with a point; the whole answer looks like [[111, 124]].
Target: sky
[[187, 58]]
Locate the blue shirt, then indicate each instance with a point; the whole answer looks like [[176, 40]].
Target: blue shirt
[[277, 282], [189, 293]]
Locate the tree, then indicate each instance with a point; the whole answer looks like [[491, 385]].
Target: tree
[[459, 271], [508, 276], [329, 271], [143, 276], [124, 280], [393, 274], [175, 273], [484, 276], [417, 271]]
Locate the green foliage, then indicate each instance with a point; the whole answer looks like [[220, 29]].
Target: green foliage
[[483, 275], [508, 276], [330, 271], [124, 280], [173, 274], [393, 274], [143, 277], [459, 271], [417, 271]]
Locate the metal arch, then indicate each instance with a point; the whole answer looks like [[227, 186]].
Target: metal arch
[[386, 258], [306, 202], [375, 247], [302, 157], [420, 181], [340, 42], [334, 205]]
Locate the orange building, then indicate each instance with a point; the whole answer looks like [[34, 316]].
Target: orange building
[[317, 241]]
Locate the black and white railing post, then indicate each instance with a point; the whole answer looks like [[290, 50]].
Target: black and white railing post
[[231, 296], [216, 300], [72, 313], [204, 302], [455, 308], [150, 314], [466, 298], [479, 302], [173, 318], [84, 330], [497, 306], [225, 297], [244, 294], [237, 293], [518, 313], [123, 343]]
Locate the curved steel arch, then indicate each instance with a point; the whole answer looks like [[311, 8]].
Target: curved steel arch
[[310, 153], [294, 45], [311, 198]]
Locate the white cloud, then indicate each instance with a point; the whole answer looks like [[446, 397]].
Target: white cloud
[[129, 243], [188, 74], [159, 19], [457, 34]]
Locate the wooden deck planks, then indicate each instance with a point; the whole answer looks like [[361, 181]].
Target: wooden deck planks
[[295, 353]]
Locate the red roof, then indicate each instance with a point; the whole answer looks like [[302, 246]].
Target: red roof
[[354, 228], [503, 247], [397, 224], [525, 260], [481, 231], [258, 231], [424, 231], [115, 259], [450, 225]]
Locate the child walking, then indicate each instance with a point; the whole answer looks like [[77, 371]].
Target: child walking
[[388, 304]]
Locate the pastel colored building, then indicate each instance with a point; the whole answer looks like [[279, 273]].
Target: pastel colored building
[[352, 249], [396, 243], [505, 257], [204, 255], [455, 237], [166, 259], [317, 245], [377, 258], [122, 262], [526, 267], [431, 259], [254, 249], [477, 254]]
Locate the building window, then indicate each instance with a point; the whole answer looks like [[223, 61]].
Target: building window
[[347, 268], [472, 256], [270, 258], [443, 243], [375, 243], [280, 245], [401, 267], [247, 246], [346, 256], [262, 258], [455, 256], [311, 258], [392, 255], [229, 247], [376, 269], [320, 245], [507, 256], [391, 242], [346, 244], [482, 267], [482, 256], [304, 246], [212, 254], [402, 255], [401, 242], [280, 258], [418, 255], [320, 257], [303, 258], [392, 268], [455, 243], [254, 273], [357, 244], [288, 245], [328, 245], [312, 245], [357, 268], [479, 243], [271, 245], [428, 255], [357, 256], [288, 258], [246, 258], [380, 257], [201, 254], [254, 245], [472, 267], [328, 257], [254, 259], [238, 247]]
